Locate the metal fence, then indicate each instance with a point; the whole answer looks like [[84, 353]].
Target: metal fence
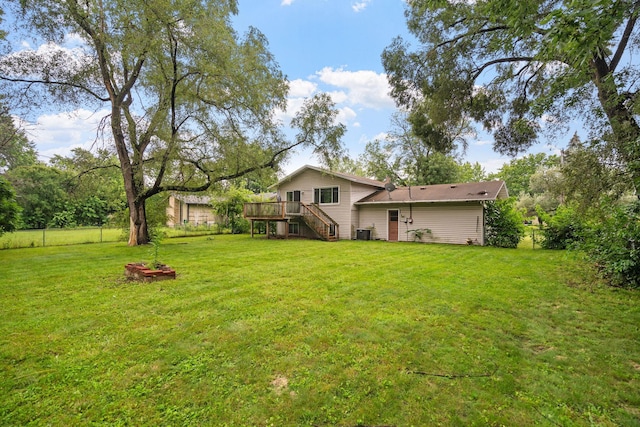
[[75, 236]]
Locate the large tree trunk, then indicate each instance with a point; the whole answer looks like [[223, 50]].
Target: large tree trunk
[[138, 230], [133, 184], [626, 130]]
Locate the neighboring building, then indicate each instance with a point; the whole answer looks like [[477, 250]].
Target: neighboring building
[[313, 202], [189, 209]]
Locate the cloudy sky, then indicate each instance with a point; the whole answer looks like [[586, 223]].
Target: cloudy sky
[[331, 46]]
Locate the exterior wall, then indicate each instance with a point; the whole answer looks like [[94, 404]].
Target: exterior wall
[[199, 214], [178, 211], [172, 212], [449, 223], [358, 192], [344, 212]]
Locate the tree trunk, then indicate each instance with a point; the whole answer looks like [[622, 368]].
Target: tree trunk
[[138, 230], [626, 130], [133, 183]]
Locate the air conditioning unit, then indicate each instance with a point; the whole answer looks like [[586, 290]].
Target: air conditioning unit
[[363, 234]]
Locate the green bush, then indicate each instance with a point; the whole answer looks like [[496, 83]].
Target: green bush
[[9, 209], [504, 224], [613, 245], [563, 230]]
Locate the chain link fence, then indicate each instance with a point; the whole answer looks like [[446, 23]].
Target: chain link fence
[[76, 236]]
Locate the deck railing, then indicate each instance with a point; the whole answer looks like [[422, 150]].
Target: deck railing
[[312, 215], [265, 210]]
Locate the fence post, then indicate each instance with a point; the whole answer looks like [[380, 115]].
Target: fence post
[[533, 237]]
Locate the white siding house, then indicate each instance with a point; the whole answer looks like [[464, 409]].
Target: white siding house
[[363, 208]]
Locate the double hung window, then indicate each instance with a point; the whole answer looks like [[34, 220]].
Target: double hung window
[[326, 195]]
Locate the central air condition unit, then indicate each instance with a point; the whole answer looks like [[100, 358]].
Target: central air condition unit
[[363, 234]]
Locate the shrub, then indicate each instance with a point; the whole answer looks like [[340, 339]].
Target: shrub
[[9, 209], [563, 230], [504, 224], [614, 246]]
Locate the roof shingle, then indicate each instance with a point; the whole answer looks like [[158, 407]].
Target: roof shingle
[[465, 192]]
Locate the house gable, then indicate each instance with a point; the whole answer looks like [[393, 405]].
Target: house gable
[[312, 184]]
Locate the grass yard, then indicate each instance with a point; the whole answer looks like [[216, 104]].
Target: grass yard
[[289, 333]]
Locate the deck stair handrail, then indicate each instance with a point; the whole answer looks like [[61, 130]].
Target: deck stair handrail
[[319, 221]]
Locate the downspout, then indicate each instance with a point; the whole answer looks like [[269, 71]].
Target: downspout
[[484, 223]]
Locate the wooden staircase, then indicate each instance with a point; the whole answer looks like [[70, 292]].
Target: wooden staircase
[[317, 220]]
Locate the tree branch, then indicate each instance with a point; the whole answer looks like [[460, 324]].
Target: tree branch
[[55, 83], [471, 34], [486, 65], [624, 40]]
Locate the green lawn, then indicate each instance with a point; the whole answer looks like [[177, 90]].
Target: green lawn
[[354, 333]]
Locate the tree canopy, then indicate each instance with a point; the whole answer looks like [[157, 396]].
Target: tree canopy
[[407, 159], [191, 102], [509, 64], [15, 148], [9, 208]]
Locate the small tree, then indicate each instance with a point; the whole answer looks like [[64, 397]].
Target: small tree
[[563, 230], [613, 245], [42, 191], [504, 224], [230, 206], [9, 209]]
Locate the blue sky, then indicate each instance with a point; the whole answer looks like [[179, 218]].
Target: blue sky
[[335, 46], [331, 46]]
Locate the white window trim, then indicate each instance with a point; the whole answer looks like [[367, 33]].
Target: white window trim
[[296, 225], [323, 188]]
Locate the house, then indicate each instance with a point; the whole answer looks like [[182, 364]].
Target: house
[[189, 209], [313, 202]]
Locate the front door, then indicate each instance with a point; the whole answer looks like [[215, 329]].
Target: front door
[[393, 225]]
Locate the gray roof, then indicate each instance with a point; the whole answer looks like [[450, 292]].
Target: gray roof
[[347, 176], [466, 192], [191, 199]]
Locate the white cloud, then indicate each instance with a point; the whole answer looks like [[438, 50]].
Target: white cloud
[[73, 39], [483, 142], [366, 88], [493, 165], [60, 133], [364, 139], [286, 2], [345, 115], [302, 88], [338, 96], [361, 5]]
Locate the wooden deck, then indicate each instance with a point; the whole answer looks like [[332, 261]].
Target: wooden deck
[[317, 220]]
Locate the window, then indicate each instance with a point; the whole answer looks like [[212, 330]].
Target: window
[[293, 196], [327, 195], [294, 228]]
